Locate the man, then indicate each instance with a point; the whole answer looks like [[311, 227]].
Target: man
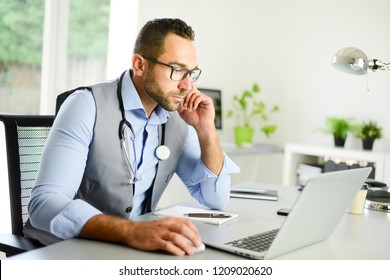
[[114, 147]]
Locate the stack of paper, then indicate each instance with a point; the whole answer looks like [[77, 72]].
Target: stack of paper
[[182, 212], [306, 171], [252, 193]]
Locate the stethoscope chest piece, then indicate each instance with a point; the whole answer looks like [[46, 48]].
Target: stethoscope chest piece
[[163, 152]]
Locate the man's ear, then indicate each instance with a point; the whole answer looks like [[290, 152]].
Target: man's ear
[[139, 65]]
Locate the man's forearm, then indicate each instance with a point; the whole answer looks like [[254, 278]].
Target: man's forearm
[[108, 228], [162, 234], [212, 153]]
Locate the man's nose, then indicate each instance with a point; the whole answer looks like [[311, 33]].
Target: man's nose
[[186, 84]]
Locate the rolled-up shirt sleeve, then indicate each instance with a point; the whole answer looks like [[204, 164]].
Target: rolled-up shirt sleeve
[[206, 187], [52, 207]]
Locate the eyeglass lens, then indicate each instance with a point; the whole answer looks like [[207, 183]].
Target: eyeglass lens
[[179, 74]]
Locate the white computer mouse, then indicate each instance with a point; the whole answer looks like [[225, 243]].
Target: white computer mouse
[[198, 249]]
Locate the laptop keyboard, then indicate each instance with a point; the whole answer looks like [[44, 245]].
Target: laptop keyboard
[[258, 242]]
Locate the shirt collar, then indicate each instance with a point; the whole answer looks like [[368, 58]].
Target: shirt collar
[[132, 102]]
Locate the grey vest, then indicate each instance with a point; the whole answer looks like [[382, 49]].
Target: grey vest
[[105, 182]]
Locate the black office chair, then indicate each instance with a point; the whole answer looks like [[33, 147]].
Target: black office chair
[[25, 137]]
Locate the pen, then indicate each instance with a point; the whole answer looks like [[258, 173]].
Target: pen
[[207, 215]]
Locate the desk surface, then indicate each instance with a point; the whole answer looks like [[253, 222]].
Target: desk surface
[[365, 236]]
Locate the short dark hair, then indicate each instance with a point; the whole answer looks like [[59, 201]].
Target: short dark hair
[[150, 40]]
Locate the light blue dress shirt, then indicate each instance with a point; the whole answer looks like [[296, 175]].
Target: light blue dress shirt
[[52, 207]]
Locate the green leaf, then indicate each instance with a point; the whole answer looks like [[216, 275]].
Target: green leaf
[[250, 111], [268, 130]]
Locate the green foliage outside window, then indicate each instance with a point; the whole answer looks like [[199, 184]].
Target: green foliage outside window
[[21, 32], [21, 42]]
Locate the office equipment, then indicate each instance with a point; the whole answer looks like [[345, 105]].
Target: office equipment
[[182, 212], [316, 213], [25, 138], [284, 211], [355, 61], [197, 249], [249, 190], [215, 95], [378, 196]]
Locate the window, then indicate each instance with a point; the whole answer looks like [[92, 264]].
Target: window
[[83, 48], [87, 42], [21, 33], [75, 47]]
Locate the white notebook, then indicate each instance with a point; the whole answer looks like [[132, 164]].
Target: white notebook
[[181, 211]]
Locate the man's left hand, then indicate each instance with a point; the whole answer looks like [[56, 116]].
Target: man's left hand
[[197, 110]]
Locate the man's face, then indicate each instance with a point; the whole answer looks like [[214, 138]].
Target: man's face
[[158, 84]]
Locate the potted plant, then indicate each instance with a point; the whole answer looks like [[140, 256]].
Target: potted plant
[[339, 128], [368, 132], [249, 112]]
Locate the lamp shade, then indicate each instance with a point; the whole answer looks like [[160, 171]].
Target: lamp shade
[[351, 60]]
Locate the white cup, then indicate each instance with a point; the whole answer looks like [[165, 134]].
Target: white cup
[[357, 204]]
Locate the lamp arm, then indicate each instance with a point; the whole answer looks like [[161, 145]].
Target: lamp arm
[[376, 64]]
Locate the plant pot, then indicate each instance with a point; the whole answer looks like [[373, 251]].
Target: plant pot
[[339, 141], [368, 144], [243, 135]]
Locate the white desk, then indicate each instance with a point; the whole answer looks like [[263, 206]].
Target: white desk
[[365, 236]]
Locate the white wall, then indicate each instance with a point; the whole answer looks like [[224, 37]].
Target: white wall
[[287, 47]]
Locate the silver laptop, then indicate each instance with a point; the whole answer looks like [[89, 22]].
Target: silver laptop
[[319, 208]]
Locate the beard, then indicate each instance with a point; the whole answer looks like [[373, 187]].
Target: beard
[[154, 90]]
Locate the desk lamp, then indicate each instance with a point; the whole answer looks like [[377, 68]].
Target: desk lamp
[[354, 61]]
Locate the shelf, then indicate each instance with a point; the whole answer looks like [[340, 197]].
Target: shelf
[[311, 154]]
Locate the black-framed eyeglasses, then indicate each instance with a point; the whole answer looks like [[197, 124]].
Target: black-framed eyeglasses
[[178, 73]]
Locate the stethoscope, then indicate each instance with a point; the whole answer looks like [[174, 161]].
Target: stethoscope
[[162, 152]]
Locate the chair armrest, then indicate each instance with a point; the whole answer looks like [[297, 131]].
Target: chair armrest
[[12, 244]]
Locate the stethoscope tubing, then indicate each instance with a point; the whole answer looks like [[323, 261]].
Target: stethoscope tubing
[[162, 151]]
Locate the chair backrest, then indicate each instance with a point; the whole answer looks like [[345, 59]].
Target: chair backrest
[[25, 137]]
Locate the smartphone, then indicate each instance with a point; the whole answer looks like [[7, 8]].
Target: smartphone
[[283, 211]]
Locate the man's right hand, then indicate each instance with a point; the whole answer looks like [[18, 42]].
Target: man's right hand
[[168, 234]]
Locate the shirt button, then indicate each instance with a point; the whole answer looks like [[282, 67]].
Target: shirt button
[[128, 209], [130, 181]]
